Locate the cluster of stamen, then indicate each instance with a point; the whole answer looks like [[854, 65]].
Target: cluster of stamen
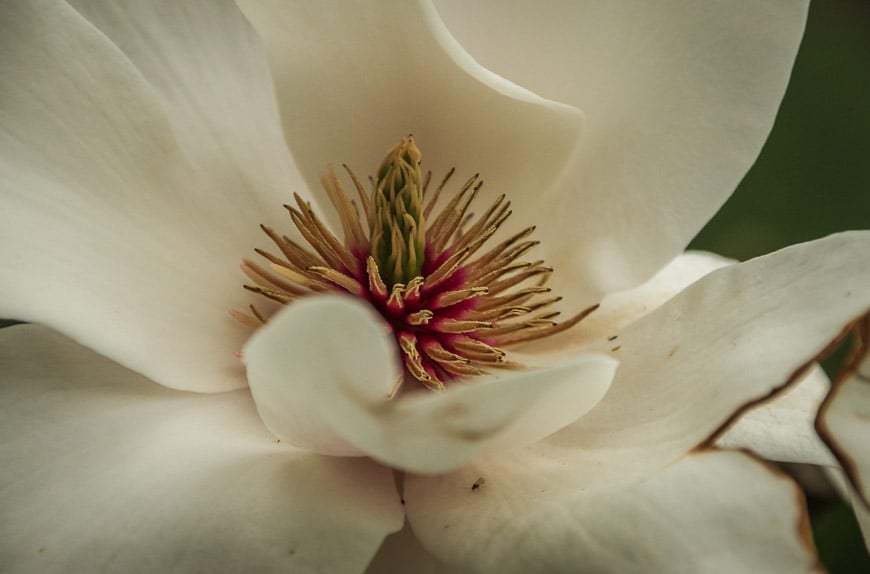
[[453, 307]]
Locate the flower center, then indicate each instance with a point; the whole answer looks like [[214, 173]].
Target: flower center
[[452, 306]]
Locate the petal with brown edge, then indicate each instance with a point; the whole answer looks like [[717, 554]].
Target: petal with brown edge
[[782, 429], [732, 339], [843, 420], [714, 511]]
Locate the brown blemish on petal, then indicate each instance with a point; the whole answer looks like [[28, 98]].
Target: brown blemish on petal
[[616, 348], [796, 376], [803, 526], [860, 328], [673, 351]]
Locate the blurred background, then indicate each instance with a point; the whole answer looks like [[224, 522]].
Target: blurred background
[[812, 179]]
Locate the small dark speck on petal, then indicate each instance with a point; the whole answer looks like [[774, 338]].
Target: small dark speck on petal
[[616, 348]]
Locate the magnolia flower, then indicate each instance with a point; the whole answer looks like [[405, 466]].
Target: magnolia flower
[[142, 146]]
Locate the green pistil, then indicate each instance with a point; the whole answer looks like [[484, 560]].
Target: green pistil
[[397, 227]]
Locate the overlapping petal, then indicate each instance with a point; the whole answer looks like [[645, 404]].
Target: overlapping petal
[[782, 429], [321, 372], [679, 97], [601, 329], [139, 150], [844, 418], [353, 77], [102, 470], [710, 512], [730, 339]]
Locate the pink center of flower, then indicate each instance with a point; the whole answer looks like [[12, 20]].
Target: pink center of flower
[[452, 306]]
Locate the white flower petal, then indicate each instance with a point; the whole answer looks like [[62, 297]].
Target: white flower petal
[[134, 177], [353, 77], [601, 329], [729, 340], [104, 471], [782, 429], [207, 64], [844, 419], [321, 370], [319, 356], [710, 512], [679, 97]]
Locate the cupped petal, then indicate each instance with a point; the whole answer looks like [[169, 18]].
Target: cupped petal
[[104, 471], [679, 98], [322, 370], [709, 512], [843, 420], [140, 148], [319, 356], [734, 338], [782, 429], [353, 77]]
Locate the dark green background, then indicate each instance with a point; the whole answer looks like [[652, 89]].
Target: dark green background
[[812, 179], [813, 176]]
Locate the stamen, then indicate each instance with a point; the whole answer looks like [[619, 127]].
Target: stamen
[[449, 298], [376, 284], [264, 278], [448, 325], [451, 315], [354, 235], [421, 317], [437, 194], [272, 294], [347, 283], [245, 319], [257, 314], [364, 199]]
